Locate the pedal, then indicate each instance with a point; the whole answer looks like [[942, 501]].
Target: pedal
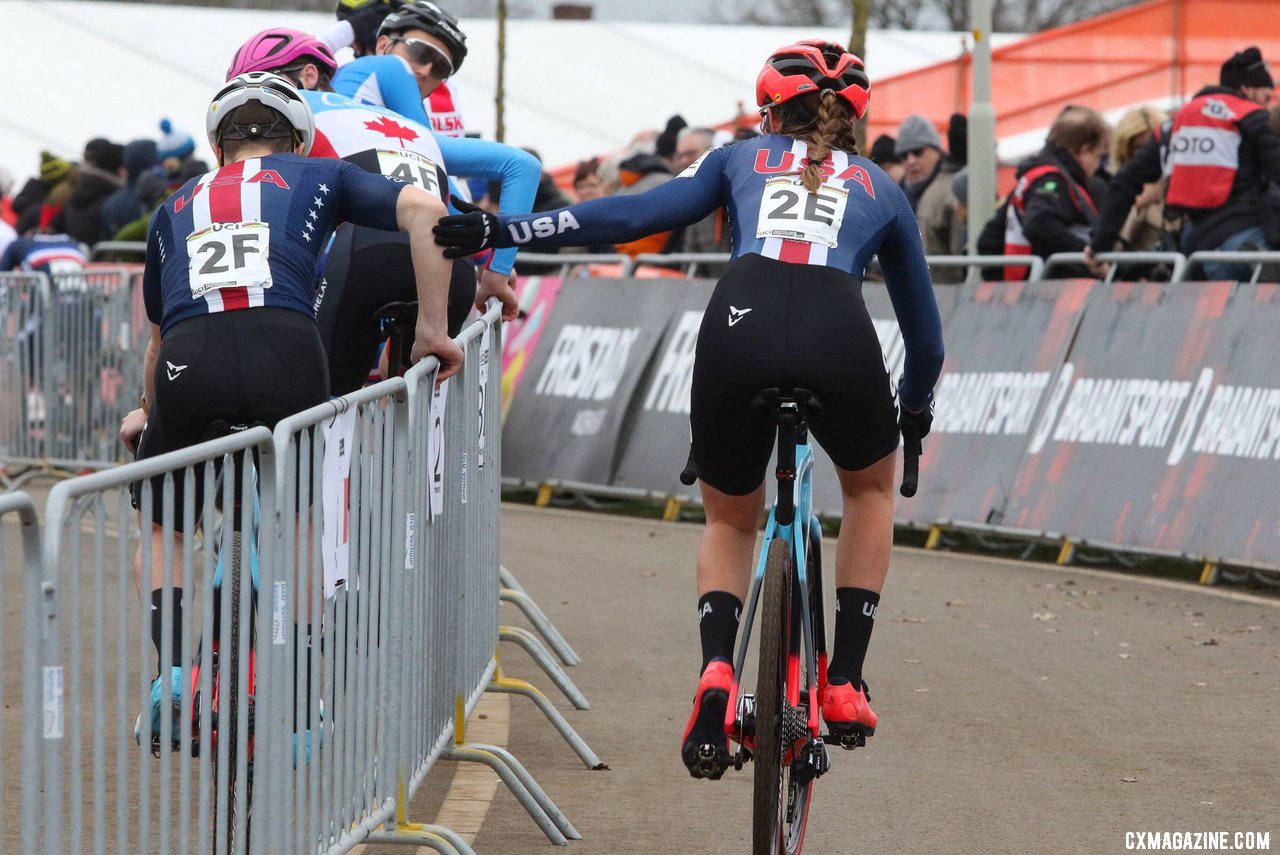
[[814, 762], [710, 761], [846, 739]]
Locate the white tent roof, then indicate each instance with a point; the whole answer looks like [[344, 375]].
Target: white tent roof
[[79, 69]]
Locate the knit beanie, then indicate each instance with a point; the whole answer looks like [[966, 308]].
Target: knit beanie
[[1246, 68], [139, 156], [53, 168], [882, 150], [173, 142], [104, 154], [916, 132]]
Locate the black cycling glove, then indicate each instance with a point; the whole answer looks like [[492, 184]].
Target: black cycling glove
[[914, 426], [472, 231]]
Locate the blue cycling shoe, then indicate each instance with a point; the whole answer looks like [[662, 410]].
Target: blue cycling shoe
[[158, 697]]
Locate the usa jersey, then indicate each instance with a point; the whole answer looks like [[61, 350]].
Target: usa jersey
[[44, 254], [378, 141], [858, 212], [248, 234]]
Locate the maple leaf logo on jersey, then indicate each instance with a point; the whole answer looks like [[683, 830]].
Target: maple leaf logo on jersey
[[392, 130]]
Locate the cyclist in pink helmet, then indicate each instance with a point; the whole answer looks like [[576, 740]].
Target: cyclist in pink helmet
[[281, 49]]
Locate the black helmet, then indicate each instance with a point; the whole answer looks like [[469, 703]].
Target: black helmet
[[430, 18]]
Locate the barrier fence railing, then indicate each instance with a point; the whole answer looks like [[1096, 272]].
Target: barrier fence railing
[[73, 351], [20, 571], [1121, 263], [355, 627], [1255, 260]]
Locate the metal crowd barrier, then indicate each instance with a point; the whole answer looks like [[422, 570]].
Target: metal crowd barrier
[[118, 247], [1254, 259], [20, 571], [73, 349], [374, 618], [975, 264], [1119, 260], [562, 264]]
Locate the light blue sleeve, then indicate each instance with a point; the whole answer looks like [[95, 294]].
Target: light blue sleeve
[[395, 86], [517, 170]]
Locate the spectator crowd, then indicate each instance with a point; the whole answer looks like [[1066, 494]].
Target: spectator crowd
[[1204, 177]]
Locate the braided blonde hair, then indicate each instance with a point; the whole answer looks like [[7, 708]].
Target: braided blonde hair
[[824, 122]]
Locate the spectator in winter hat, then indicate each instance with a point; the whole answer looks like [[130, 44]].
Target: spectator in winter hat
[[1248, 72], [173, 142], [94, 180], [882, 155], [54, 171], [124, 206], [665, 145], [926, 179]]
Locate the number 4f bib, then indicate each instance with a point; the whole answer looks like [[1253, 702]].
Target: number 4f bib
[[410, 168], [229, 255], [788, 210]]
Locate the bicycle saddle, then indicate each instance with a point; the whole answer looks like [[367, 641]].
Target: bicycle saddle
[[773, 398]]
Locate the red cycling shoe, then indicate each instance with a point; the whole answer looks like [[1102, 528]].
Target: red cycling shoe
[[845, 708], [705, 748]]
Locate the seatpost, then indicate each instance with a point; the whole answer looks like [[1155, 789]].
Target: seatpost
[[788, 428]]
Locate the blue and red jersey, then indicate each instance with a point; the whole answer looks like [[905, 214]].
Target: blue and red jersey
[[858, 212], [248, 234], [44, 254]]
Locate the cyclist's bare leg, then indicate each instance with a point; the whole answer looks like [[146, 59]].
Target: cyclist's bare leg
[[866, 525], [157, 560], [729, 541]]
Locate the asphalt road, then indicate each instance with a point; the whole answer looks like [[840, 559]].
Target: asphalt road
[[1023, 708]]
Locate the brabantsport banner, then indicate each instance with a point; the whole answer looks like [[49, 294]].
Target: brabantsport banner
[[1163, 427], [1005, 342], [565, 423]]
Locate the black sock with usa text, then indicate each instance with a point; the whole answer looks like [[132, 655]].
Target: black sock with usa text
[[718, 614], [855, 618]]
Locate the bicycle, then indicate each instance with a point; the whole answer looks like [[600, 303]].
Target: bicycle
[[777, 727]]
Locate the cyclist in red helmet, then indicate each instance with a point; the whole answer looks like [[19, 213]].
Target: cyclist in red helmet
[[807, 215]]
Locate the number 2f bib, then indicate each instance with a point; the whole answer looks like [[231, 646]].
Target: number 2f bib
[[411, 168], [788, 210], [229, 255]]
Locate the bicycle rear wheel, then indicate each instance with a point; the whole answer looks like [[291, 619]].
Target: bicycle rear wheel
[[768, 802], [226, 718]]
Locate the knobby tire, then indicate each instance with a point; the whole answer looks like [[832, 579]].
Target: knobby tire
[[228, 715], [775, 630]]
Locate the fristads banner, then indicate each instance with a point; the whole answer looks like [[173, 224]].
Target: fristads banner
[[565, 422], [656, 438], [1163, 428], [1005, 342]]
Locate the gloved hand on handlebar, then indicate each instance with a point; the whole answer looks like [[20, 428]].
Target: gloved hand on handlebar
[[915, 426], [472, 231]]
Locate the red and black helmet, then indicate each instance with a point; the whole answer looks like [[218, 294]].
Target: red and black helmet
[[811, 66]]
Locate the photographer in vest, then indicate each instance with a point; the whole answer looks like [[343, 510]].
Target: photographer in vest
[[1217, 152]]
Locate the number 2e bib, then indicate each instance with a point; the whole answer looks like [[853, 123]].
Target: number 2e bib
[[229, 255], [411, 168], [788, 210]]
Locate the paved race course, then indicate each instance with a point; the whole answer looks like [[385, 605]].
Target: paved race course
[[1023, 708]]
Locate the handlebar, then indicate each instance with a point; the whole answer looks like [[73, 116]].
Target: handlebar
[[911, 449]]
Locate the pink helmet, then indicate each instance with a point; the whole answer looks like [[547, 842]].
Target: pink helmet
[[279, 48]]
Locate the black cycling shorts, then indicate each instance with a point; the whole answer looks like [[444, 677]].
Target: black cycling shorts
[[241, 367], [774, 324], [364, 270]]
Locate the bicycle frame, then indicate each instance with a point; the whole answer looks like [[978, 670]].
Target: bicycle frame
[[791, 519]]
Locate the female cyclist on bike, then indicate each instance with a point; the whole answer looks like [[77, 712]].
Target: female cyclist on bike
[[807, 214]]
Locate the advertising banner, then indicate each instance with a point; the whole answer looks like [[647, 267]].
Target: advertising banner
[[1005, 342], [537, 296], [565, 423], [1163, 428], [656, 439]]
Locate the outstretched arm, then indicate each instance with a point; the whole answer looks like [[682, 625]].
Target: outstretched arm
[[614, 219]]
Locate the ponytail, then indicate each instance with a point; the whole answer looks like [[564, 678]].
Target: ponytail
[[824, 122]]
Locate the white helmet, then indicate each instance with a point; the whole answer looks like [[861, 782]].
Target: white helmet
[[271, 90]]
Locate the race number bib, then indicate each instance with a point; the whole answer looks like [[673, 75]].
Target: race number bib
[[788, 210], [410, 167], [229, 255]]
